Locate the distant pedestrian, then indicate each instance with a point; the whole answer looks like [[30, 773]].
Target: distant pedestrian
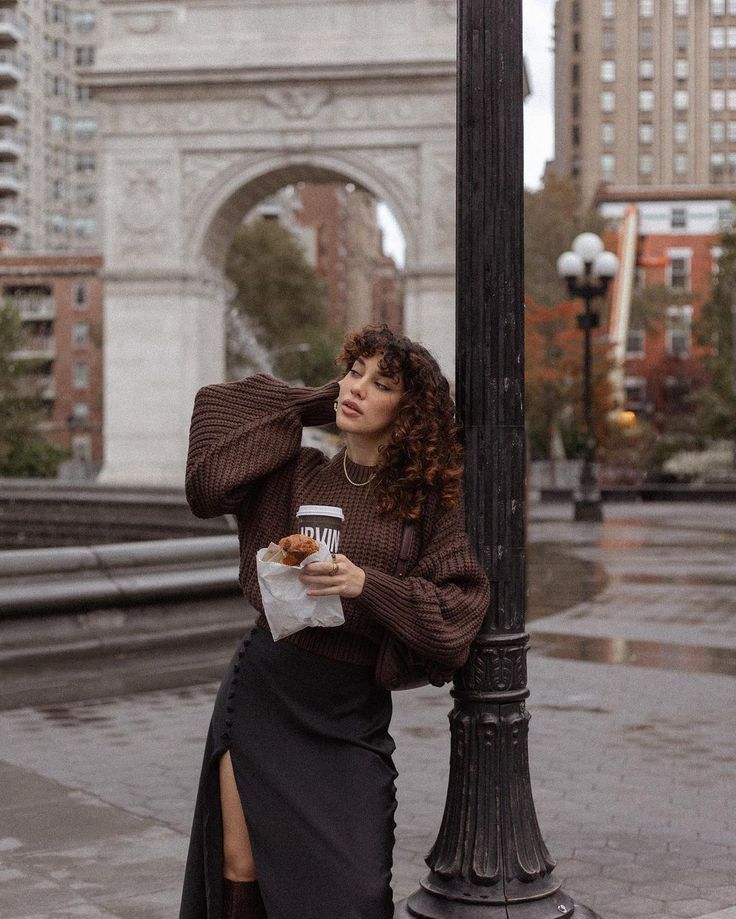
[[295, 811]]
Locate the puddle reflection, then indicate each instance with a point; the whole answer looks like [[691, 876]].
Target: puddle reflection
[[558, 580], [661, 655]]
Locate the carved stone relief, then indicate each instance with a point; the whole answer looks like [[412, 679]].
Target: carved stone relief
[[141, 23], [299, 101], [199, 169], [443, 207], [143, 206]]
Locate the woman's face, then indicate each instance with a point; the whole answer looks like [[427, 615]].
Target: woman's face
[[368, 400]]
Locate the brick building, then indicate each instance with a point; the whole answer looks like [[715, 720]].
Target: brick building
[[365, 285], [59, 298], [677, 249]]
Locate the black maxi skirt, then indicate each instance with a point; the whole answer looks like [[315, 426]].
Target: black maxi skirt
[[311, 753]]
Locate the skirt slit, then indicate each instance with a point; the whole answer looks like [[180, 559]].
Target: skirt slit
[[312, 759]]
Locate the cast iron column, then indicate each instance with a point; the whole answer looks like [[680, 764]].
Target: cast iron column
[[489, 860], [588, 505]]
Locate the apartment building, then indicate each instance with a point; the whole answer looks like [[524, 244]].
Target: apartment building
[[645, 94], [645, 126], [48, 199], [59, 300]]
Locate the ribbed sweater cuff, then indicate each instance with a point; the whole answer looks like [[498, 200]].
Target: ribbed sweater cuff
[[388, 598], [315, 404]]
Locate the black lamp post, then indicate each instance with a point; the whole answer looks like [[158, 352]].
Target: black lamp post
[[588, 270], [489, 860]]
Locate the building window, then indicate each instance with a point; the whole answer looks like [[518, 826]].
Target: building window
[[717, 69], [85, 56], [681, 132], [717, 132], [608, 9], [646, 164], [646, 9], [608, 133], [85, 227], [608, 101], [731, 100], [678, 333], [731, 36], [681, 8], [84, 21], [646, 100], [646, 69], [717, 7], [646, 133], [608, 40], [717, 100], [576, 11], [576, 41], [608, 167], [575, 74], [575, 105], [680, 100], [635, 343], [608, 71], [725, 218], [81, 376], [86, 163], [732, 131], [678, 218], [86, 195], [80, 412], [679, 272], [636, 393], [82, 448], [680, 164], [80, 295], [85, 128], [717, 37], [717, 166], [646, 38], [576, 135], [682, 69], [83, 92], [80, 334], [731, 68], [682, 39]]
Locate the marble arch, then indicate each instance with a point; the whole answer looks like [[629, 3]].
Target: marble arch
[[205, 107]]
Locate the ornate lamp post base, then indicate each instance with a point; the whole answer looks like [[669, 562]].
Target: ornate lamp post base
[[424, 905], [586, 509]]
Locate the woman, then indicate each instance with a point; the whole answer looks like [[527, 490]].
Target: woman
[[294, 815]]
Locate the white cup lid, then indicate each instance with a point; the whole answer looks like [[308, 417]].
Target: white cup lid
[[320, 510]]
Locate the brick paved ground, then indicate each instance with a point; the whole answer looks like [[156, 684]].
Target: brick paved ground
[[633, 755]]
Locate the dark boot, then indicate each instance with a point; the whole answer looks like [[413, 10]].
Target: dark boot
[[242, 900]]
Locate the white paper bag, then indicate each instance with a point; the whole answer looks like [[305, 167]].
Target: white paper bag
[[287, 607]]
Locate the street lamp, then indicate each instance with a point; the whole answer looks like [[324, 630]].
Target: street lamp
[[588, 270], [489, 860]]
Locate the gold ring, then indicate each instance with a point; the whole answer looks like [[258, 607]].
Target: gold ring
[[335, 569]]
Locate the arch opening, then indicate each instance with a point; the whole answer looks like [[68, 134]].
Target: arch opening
[[343, 248]]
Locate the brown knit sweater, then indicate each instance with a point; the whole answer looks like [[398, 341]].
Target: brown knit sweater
[[246, 458]]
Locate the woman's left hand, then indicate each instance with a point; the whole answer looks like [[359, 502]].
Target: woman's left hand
[[339, 577]]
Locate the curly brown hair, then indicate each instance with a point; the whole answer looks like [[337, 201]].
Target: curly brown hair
[[424, 454]]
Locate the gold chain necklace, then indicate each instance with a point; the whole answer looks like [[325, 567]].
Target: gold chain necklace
[[345, 470]]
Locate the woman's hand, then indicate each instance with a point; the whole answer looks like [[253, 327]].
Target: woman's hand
[[339, 577]]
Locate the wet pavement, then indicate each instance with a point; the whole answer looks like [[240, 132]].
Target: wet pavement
[[632, 749]]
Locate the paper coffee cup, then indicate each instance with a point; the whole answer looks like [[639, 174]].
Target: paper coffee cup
[[322, 523]]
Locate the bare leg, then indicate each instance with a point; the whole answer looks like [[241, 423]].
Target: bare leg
[[237, 853]]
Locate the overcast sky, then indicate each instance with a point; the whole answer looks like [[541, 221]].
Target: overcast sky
[[538, 111], [538, 108]]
